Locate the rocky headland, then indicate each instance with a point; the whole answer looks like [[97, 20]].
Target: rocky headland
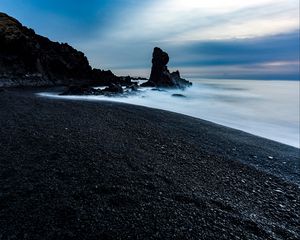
[[28, 59]]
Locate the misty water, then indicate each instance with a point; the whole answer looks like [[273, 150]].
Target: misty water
[[268, 109]]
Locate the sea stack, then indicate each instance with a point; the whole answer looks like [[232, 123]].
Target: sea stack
[[160, 74]]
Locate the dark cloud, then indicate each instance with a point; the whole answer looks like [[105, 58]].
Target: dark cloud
[[278, 48]]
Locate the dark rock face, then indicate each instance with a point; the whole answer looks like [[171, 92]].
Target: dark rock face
[[159, 71], [28, 59], [160, 74]]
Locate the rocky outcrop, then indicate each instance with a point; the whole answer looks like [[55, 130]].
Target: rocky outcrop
[[160, 74], [81, 90], [113, 89], [28, 59]]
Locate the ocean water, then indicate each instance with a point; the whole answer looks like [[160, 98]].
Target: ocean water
[[268, 109]]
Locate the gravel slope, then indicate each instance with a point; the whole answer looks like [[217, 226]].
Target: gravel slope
[[90, 170]]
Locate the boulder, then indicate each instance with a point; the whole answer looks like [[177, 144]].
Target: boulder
[[160, 74], [133, 87], [178, 95], [114, 88], [178, 81]]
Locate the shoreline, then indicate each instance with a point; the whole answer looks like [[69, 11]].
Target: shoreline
[[84, 98], [245, 136], [249, 161], [234, 116], [73, 169]]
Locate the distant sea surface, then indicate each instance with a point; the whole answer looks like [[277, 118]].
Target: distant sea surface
[[268, 109]]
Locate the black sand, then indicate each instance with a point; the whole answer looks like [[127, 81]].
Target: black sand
[[91, 170]]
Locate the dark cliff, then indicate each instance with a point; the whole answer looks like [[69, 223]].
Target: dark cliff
[[28, 59]]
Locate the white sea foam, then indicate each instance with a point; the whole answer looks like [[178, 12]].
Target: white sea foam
[[268, 109]]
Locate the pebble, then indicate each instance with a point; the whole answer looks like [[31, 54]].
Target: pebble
[[278, 190]]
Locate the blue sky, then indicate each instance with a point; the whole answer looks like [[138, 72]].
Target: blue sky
[[257, 39]]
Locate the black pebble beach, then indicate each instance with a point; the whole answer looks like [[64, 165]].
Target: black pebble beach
[[102, 170]]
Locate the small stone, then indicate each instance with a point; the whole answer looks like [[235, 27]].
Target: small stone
[[278, 190], [178, 95]]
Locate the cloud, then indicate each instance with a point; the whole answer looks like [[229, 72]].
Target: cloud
[[207, 37], [269, 57], [175, 24], [273, 48], [177, 20]]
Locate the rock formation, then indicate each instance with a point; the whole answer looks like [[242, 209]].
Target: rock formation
[[160, 74], [28, 59], [110, 91]]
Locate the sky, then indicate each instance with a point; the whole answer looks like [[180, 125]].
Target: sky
[[257, 39]]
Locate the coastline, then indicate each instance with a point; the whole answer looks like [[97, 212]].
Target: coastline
[[261, 108], [110, 170]]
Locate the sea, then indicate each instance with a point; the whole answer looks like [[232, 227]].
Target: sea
[[265, 108]]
